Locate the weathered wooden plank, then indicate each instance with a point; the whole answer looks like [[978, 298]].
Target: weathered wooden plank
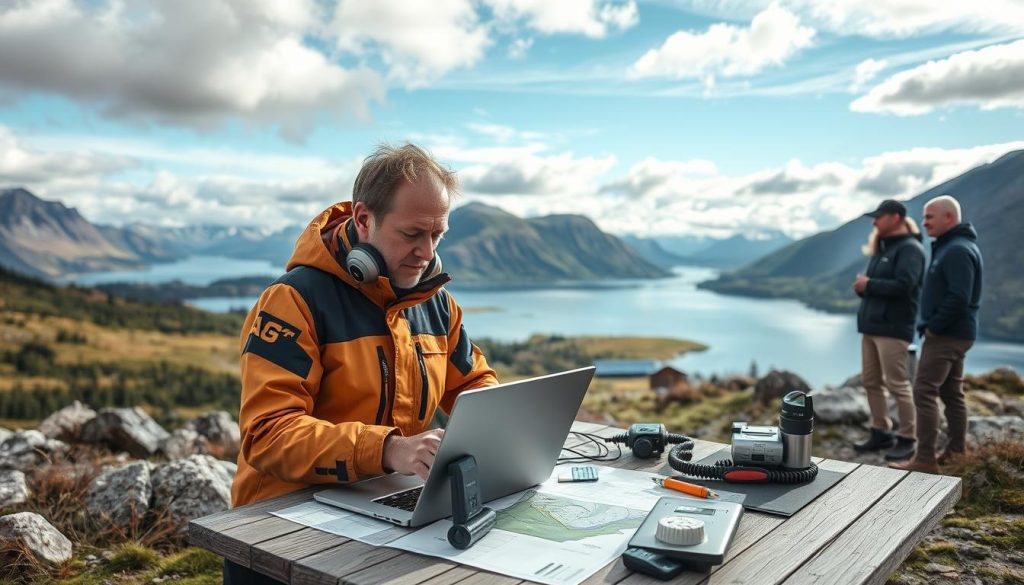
[[405, 569], [905, 515], [487, 578], [329, 565], [234, 543], [452, 576], [611, 573], [215, 542], [587, 427], [773, 558], [274, 556], [255, 511]]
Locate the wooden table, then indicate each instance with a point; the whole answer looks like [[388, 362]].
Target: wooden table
[[859, 531]]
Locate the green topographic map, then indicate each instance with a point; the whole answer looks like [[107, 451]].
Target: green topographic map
[[564, 519]]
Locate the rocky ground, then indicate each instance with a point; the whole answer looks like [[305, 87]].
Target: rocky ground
[[103, 497], [97, 497]]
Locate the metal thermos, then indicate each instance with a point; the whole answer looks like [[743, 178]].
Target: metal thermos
[[796, 423]]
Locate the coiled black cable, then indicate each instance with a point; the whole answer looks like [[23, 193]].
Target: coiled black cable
[[680, 455]]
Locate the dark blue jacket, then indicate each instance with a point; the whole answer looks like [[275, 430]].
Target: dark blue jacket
[[952, 285], [889, 304]]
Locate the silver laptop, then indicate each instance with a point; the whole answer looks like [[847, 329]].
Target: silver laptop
[[515, 431]]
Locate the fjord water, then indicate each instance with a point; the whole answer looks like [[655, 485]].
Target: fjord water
[[197, 270], [823, 348]]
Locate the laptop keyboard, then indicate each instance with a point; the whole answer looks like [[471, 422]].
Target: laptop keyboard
[[404, 500]]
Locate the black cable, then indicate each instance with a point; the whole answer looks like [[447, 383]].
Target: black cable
[[604, 453], [680, 455]]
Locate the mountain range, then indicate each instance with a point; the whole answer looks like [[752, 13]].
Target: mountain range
[[487, 244], [820, 269], [46, 239]]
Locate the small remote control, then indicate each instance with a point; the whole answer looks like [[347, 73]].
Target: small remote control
[[651, 563], [579, 473]]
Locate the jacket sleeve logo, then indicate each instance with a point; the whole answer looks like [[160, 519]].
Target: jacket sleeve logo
[[270, 330], [276, 341]]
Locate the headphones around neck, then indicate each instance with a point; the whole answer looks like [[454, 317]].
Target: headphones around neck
[[366, 264]]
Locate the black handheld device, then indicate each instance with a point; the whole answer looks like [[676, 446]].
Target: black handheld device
[[651, 563], [471, 520], [647, 440]]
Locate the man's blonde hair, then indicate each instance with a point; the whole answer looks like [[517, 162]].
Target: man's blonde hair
[[871, 246], [388, 166]]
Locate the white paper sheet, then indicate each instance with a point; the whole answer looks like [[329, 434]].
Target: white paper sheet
[[555, 533]]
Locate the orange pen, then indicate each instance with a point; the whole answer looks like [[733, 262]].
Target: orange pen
[[687, 488]]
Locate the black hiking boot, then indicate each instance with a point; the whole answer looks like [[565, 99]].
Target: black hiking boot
[[904, 449], [879, 440]]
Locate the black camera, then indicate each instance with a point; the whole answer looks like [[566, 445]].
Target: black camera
[[647, 440]]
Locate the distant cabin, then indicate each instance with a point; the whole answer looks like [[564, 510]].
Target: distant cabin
[[668, 378], [626, 368]]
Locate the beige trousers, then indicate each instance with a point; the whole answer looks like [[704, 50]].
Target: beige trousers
[[884, 368]]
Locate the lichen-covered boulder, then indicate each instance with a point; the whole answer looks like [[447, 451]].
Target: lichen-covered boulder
[[778, 383], [841, 405], [220, 430], [31, 532], [119, 494], [988, 429], [125, 429], [24, 450], [13, 488], [184, 442], [66, 424], [191, 488]]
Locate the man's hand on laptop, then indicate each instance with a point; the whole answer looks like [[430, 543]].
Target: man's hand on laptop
[[412, 455]]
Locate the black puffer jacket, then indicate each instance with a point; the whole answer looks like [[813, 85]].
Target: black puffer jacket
[[889, 304], [952, 288]]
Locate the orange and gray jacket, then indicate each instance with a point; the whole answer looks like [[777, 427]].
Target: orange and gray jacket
[[331, 367]]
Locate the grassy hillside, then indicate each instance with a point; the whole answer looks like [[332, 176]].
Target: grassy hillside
[[22, 294], [59, 344], [486, 244]]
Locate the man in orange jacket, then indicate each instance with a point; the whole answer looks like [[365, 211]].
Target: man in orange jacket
[[346, 357]]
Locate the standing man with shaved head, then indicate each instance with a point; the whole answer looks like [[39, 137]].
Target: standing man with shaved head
[[949, 323]]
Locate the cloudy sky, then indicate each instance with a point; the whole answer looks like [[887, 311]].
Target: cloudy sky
[[700, 117]]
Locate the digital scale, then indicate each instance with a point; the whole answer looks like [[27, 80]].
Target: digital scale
[[683, 533]]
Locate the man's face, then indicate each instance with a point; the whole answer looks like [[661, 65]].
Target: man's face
[[938, 220], [887, 224], [408, 234]]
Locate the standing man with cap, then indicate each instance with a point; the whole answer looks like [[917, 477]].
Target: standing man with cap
[[949, 323], [885, 320]]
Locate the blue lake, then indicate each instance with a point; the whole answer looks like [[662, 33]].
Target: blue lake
[[198, 270], [823, 348]]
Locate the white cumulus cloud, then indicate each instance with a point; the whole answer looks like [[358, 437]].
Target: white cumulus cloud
[[989, 78], [592, 18], [881, 18], [867, 70], [189, 62], [417, 41], [774, 36]]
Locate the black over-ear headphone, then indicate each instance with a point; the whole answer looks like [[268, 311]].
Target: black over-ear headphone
[[366, 264]]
